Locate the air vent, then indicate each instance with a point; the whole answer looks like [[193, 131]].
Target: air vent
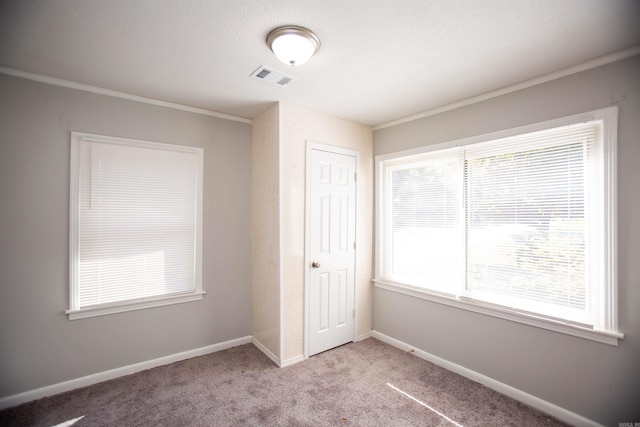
[[272, 76]]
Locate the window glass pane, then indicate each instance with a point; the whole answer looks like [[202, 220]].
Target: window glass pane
[[426, 230], [526, 225], [517, 223]]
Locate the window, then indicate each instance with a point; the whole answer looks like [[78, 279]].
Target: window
[[518, 224], [135, 225]]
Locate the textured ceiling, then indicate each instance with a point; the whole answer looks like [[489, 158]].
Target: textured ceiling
[[379, 60]]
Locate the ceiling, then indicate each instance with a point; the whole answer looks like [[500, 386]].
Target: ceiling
[[379, 60]]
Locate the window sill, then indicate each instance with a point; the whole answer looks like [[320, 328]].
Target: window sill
[[134, 305], [610, 338]]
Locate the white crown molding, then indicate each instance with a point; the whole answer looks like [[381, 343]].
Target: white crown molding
[[603, 60], [117, 94]]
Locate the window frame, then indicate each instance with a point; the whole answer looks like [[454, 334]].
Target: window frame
[[75, 312], [605, 329]]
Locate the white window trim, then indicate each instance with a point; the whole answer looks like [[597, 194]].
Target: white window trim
[[134, 305], [610, 333], [610, 338], [74, 312]]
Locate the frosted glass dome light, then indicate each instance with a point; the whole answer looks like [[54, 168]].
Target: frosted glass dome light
[[293, 45]]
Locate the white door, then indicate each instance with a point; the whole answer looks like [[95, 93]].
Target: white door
[[331, 250]]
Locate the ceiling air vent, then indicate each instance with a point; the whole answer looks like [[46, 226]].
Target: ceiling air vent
[[272, 76]]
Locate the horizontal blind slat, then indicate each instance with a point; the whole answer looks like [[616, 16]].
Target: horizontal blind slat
[[426, 220], [137, 222], [526, 217], [523, 224]]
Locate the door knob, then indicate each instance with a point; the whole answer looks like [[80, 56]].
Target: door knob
[[315, 264]]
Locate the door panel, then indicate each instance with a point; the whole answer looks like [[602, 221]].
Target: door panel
[[331, 285], [323, 302]]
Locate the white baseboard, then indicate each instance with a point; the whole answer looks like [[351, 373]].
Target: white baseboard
[[529, 399], [533, 401], [292, 361], [364, 336], [263, 348], [300, 358], [281, 363], [28, 396]]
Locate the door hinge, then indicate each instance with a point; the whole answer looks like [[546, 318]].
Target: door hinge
[[355, 176], [353, 313], [354, 246]]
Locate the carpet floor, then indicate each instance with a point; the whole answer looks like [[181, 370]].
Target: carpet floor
[[367, 383]]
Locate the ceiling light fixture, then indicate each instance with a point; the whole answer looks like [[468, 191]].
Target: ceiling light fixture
[[293, 45]]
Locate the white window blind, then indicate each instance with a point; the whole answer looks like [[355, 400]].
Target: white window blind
[[136, 221], [426, 221], [520, 223], [527, 214]]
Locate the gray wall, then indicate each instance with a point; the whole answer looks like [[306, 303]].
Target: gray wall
[[597, 381], [38, 345]]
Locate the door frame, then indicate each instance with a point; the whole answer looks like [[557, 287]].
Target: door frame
[[311, 146]]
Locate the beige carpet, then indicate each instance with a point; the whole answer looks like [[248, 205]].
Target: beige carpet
[[368, 383]]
